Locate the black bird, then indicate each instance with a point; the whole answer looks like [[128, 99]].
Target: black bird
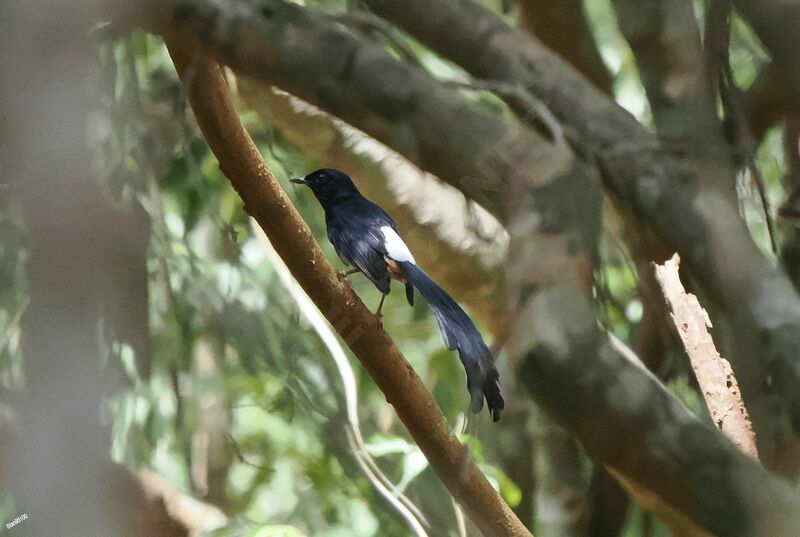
[[365, 237]]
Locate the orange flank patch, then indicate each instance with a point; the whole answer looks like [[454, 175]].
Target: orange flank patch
[[394, 270]]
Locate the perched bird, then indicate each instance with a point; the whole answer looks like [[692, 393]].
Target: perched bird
[[366, 238]]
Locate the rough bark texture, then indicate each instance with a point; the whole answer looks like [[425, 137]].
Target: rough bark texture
[[266, 202], [714, 374], [682, 204]]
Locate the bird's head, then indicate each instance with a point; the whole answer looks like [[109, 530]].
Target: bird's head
[[329, 185]]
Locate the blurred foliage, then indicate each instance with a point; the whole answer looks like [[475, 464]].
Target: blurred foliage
[[240, 404]]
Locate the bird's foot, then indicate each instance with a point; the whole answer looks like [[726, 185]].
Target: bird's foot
[[343, 274], [379, 319]]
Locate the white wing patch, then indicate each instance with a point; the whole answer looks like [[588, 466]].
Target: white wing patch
[[395, 247]]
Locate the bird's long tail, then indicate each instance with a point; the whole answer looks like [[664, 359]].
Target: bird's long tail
[[459, 333]]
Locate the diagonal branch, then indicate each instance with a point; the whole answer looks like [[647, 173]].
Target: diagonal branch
[[241, 162]]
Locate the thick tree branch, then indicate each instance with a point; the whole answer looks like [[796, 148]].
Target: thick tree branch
[[562, 498], [266, 202], [665, 41], [614, 406], [692, 215], [628, 421]]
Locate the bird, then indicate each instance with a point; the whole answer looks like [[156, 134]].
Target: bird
[[366, 239]]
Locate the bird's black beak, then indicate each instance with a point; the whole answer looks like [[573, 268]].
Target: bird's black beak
[[299, 181]]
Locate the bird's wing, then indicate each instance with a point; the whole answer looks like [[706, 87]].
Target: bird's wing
[[359, 242], [394, 246]]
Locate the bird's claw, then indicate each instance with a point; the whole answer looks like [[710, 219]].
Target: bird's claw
[[342, 275], [379, 319]]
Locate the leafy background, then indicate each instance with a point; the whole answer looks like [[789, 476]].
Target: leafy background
[[232, 397]]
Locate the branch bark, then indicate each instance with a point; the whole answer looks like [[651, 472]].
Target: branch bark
[[266, 202], [714, 374], [562, 498]]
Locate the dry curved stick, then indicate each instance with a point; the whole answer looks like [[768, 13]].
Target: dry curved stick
[[265, 201], [714, 373]]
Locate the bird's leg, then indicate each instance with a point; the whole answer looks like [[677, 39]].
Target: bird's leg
[[342, 274], [378, 314]]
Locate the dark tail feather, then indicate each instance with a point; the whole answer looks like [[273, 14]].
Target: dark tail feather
[[459, 333]]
